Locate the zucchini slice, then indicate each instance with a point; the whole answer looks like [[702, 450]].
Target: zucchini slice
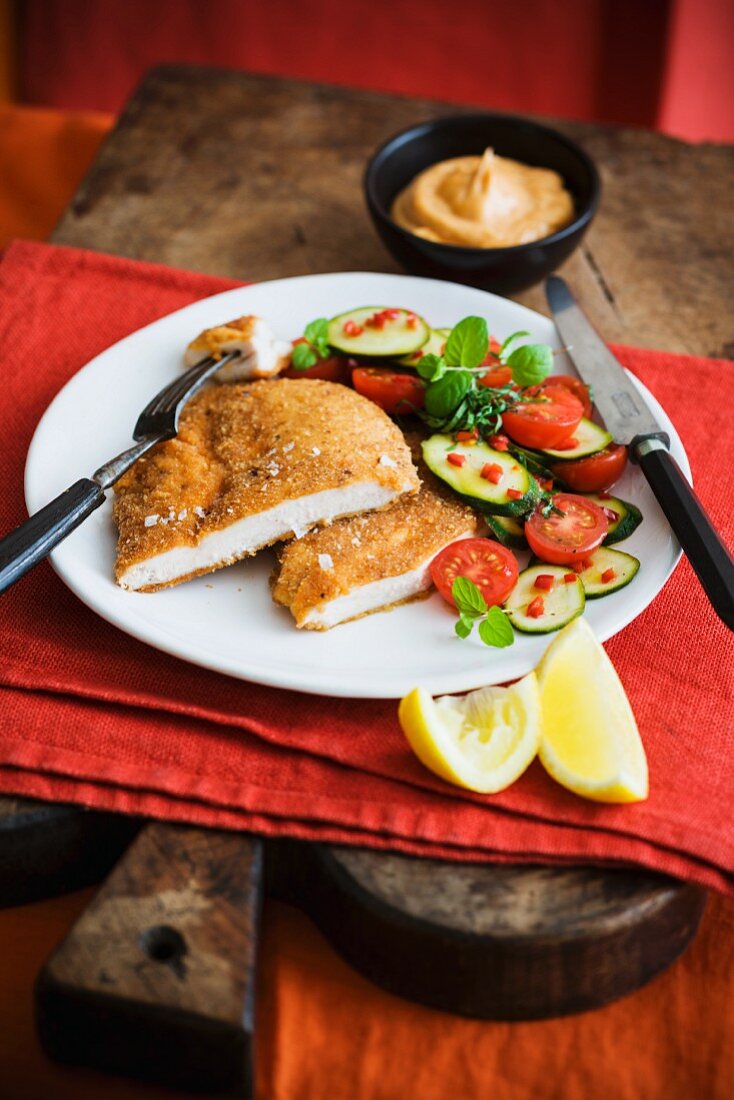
[[603, 561], [562, 603], [467, 479], [434, 345], [629, 517], [506, 530], [393, 336], [532, 461], [590, 439]]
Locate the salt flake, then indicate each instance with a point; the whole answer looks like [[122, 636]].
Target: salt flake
[[326, 561], [150, 521]]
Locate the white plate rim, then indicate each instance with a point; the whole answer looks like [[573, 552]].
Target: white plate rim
[[293, 678]]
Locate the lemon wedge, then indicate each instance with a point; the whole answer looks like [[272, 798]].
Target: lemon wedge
[[482, 741], [590, 742]]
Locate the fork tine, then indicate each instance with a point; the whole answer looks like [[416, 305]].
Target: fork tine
[[160, 415]]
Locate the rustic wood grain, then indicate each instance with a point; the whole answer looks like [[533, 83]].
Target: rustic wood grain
[[48, 849], [155, 980], [258, 178], [509, 943]]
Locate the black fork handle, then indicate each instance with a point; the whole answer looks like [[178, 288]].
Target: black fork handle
[[33, 540]]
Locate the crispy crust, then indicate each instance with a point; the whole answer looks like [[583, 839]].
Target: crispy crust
[[213, 340], [243, 449], [371, 547]]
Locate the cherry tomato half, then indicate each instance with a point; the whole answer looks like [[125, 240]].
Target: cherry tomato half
[[491, 566], [544, 422], [564, 539], [573, 385], [334, 369], [392, 391], [496, 376], [595, 473]]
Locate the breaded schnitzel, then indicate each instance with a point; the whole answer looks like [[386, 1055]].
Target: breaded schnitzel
[[371, 562], [261, 354], [254, 464]]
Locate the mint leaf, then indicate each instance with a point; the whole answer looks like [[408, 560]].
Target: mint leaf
[[468, 599], [431, 367], [303, 356], [446, 394], [496, 630], [510, 340], [531, 364], [464, 626], [317, 334], [467, 343]]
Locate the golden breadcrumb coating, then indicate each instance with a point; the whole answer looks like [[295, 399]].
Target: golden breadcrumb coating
[[371, 547], [213, 341], [243, 449]]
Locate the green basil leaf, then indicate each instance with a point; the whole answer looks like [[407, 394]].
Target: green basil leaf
[[317, 332], [467, 343], [303, 356], [464, 626], [431, 367], [446, 394], [496, 629], [510, 340], [531, 364], [467, 597]]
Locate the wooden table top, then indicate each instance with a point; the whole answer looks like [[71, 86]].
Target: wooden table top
[[257, 177]]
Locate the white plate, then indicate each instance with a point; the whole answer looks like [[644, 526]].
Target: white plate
[[227, 621]]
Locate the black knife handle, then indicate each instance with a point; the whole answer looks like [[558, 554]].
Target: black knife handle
[[701, 543], [33, 540]]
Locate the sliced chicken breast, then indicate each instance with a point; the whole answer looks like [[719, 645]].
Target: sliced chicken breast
[[262, 355], [253, 465], [373, 562]]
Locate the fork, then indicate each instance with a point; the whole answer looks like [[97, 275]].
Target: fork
[[30, 543]]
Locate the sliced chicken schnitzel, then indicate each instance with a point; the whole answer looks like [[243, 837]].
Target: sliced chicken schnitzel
[[371, 562], [261, 354], [254, 464]]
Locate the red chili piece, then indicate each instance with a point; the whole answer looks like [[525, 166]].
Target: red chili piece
[[608, 575], [611, 515], [456, 459], [536, 608], [546, 483], [514, 494], [500, 443], [569, 578], [491, 471], [545, 581], [466, 437], [351, 328], [583, 563]]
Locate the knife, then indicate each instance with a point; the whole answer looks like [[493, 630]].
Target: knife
[[630, 421]]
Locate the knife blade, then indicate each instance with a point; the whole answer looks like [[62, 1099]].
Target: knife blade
[[630, 421]]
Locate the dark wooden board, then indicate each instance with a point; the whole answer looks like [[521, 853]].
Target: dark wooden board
[[48, 849], [155, 980], [520, 943], [257, 178]]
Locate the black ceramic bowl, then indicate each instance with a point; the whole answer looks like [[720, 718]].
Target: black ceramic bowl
[[503, 270]]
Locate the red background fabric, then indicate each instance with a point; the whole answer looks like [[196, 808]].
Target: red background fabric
[[659, 63], [91, 715]]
